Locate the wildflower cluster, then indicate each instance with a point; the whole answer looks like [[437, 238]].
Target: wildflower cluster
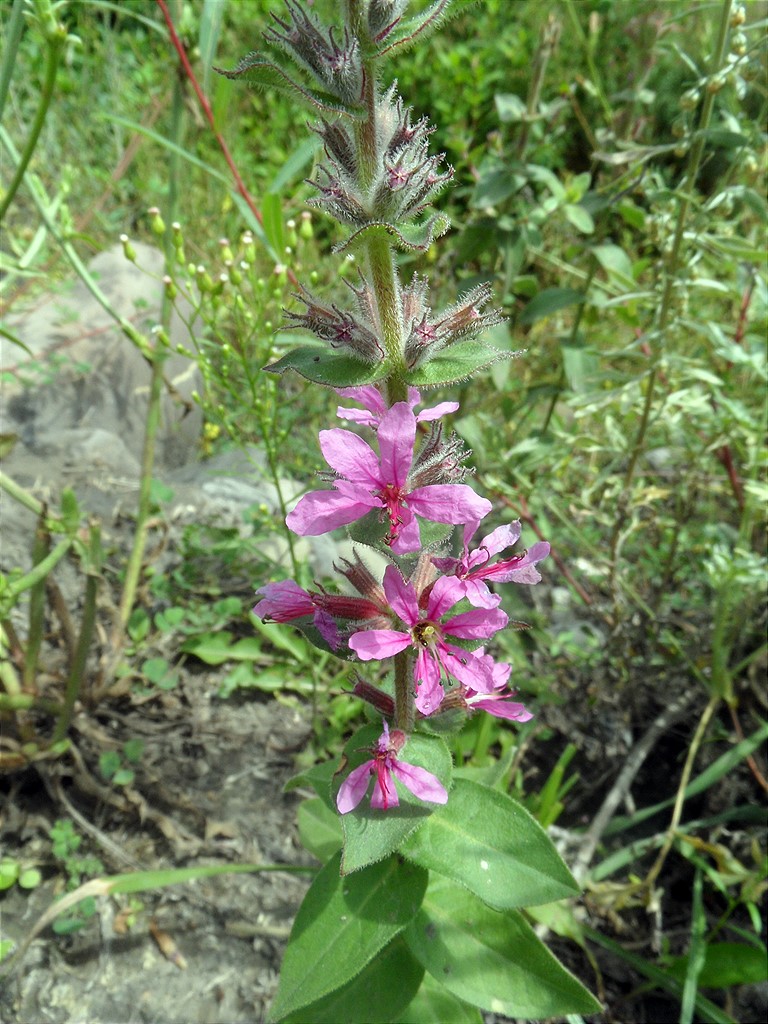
[[432, 615]]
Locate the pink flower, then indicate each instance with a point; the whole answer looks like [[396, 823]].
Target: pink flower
[[473, 568], [493, 703], [427, 634], [376, 407], [286, 601], [383, 765], [385, 482]]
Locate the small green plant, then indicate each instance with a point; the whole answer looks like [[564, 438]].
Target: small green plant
[[65, 847], [117, 766]]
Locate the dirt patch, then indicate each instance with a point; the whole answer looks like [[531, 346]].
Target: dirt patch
[[208, 791]]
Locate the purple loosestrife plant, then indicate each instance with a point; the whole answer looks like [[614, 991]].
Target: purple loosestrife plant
[[436, 866]]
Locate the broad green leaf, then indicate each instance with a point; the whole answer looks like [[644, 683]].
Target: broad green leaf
[[494, 186], [457, 363], [509, 107], [282, 638], [325, 367], [319, 828], [436, 1005], [579, 217], [549, 301], [615, 262], [371, 992], [216, 648], [492, 960], [486, 841], [370, 835], [341, 925], [726, 964], [319, 777]]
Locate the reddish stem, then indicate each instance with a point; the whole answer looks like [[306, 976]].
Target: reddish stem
[[206, 106]]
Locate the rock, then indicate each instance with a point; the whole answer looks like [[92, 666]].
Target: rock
[[81, 372]]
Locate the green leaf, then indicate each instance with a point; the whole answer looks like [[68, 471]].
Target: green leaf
[[510, 107], [550, 301], [323, 367], [492, 960], [319, 828], [726, 964], [579, 217], [418, 27], [369, 834], [261, 72], [340, 927], [436, 1005], [272, 217], [457, 363], [615, 263], [319, 777], [494, 186], [371, 988], [414, 237], [210, 27], [212, 648], [492, 845], [9, 872]]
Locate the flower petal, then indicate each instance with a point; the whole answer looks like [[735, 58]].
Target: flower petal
[[350, 456], [448, 503], [478, 624], [401, 596], [323, 511], [371, 644], [408, 538], [502, 537], [283, 601], [384, 794], [447, 591], [353, 788], [441, 409], [420, 782], [396, 434], [499, 708]]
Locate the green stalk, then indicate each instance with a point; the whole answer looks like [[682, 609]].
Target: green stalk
[[77, 669], [13, 33], [386, 289], [23, 497], [685, 193], [157, 359], [677, 812], [54, 42], [405, 709], [38, 572], [40, 547], [136, 557]]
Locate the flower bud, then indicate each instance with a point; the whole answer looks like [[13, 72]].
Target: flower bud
[[156, 222], [128, 251]]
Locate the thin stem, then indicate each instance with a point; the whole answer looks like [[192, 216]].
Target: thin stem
[[41, 545], [13, 33], [685, 195], [207, 111], [693, 750], [87, 624], [54, 41], [133, 568], [24, 498]]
